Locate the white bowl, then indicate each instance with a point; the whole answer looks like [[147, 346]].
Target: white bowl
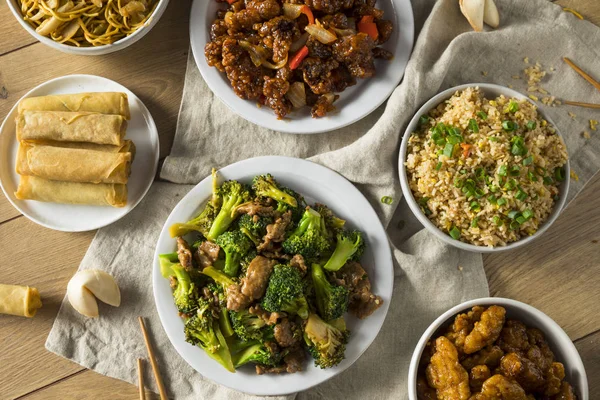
[[355, 103], [317, 184], [490, 91], [563, 348], [94, 50]]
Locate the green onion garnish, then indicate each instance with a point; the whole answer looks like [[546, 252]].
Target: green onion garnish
[[448, 150], [510, 184], [458, 183], [527, 214], [521, 219], [475, 206], [515, 170], [518, 146], [493, 139], [438, 166], [455, 233], [474, 222], [521, 195], [454, 140], [513, 214], [559, 174], [492, 199], [532, 176], [501, 201], [480, 174], [497, 220], [514, 225], [473, 126], [509, 126], [528, 160], [482, 115], [513, 106], [479, 193], [502, 170], [423, 119], [387, 200], [531, 125], [548, 180], [541, 171]]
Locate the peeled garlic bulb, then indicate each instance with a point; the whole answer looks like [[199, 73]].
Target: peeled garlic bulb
[[88, 285]]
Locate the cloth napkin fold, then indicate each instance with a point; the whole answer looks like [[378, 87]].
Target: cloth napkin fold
[[428, 279]]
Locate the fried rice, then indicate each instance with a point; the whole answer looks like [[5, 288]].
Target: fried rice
[[486, 172]]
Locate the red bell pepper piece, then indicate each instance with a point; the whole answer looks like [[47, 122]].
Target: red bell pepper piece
[[298, 57], [306, 11], [368, 26]]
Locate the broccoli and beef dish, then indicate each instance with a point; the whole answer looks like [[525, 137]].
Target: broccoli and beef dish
[[260, 277], [288, 54]]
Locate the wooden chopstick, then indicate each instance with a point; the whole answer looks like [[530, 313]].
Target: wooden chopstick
[[141, 379], [579, 104], [157, 377], [582, 73]]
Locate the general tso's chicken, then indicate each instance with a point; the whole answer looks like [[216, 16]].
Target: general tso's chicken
[[356, 52], [566, 393], [445, 374], [499, 387], [513, 338], [478, 375], [463, 325], [554, 378], [424, 391], [524, 371], [245, 77], [489, 356], [486, 330]]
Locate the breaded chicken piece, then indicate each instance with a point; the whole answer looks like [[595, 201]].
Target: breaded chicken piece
[[499, 387], [486, 330], [445, 374], [524, 371]]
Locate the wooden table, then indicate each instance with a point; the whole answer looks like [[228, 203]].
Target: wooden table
[[560, 275]]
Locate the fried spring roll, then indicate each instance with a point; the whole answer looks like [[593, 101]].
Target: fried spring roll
[[22, 301], [93, 194], [71, 127], [101, 102]]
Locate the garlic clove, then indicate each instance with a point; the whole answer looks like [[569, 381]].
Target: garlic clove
[[490, 14], [473, 10]]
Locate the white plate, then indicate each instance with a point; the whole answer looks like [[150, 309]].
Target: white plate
[[354, 103], [316, 183], [78, 218]]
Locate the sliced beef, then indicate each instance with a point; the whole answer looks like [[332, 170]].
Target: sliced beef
[[286, 333], [184, 254], [254, 208], [298, 262], [362, 301], [269, 318], [207, 254], [236, 300], [276, 232], [254, 284]]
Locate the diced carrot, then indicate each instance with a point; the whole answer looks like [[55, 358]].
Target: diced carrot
[[466, 149], [306, 11], [366, 25], [230, 2], [298, 57]]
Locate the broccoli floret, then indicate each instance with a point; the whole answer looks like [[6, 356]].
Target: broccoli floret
[[232, 194], [332, 300], [284, 292], [332, 222], [185, 294], [166, 262], [258, 354], [235, 245], [203, 331], [298, 211], [254, 226], [310, 238], [247, 326], [202, 223], [267, 186], [219, 277], [326, 342], [350, 246]]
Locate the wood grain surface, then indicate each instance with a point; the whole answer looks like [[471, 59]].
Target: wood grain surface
[[560, 274]]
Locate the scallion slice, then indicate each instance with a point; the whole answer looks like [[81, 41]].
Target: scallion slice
[[521, 195], [501, 201], [531, 125], [448, 150], [528, 161], [509, 126], [482, 115], [438, 166], [455, 233], [423, 119], [559, 174], [473, 126], [527, 214], [513, 106], [502, 170]]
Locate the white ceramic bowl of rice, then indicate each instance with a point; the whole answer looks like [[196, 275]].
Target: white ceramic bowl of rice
[[494, 176]]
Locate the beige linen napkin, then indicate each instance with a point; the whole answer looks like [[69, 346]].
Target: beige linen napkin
[[428, 279]]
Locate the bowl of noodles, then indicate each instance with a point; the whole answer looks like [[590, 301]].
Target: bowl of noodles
[[88, 27]]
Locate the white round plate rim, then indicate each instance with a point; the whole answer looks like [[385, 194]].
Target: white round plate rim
[[119, 212], [346, 114], [378, 246]]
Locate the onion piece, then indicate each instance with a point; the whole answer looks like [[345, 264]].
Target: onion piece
[[292, 11], [70, 30], [297, 45], [297, 94], [49, 26], [320, 33], [258, 55], [344, 32], [68, 6], [131, 8]]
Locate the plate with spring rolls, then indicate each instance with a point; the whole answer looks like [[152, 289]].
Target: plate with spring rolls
[[78, 153]]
